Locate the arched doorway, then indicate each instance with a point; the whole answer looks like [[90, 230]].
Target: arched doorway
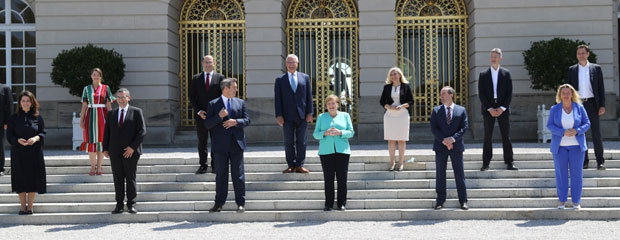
[[432, 51], [17, 46], [324, 35], [211, 27]]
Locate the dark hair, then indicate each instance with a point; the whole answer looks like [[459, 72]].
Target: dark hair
[[227, 82], [97, 70], [583, 46], [34, 107]]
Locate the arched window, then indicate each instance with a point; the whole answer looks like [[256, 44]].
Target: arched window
[[17, 46]]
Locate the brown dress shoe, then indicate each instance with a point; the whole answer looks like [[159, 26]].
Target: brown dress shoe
[[289, 170], [301, 170]]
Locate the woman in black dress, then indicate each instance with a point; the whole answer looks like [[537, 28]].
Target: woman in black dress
[[25, 133]]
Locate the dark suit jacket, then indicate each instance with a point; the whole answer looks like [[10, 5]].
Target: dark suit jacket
[[6, 103], [596, 79], [199, 98], [291, 105], [504, 89], [405, 95], [221, 136], [456, 129], [115, 138]]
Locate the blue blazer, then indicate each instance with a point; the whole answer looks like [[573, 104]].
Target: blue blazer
[[456, 129], [554, 124], [334, 144], [293, 105], [221, 136]]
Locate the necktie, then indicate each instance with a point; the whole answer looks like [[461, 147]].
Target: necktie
[[207, 82], [449, 117], [293, 85], [228, 107], [120, 121]]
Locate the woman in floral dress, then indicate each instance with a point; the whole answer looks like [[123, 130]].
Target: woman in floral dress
[[96, 102]]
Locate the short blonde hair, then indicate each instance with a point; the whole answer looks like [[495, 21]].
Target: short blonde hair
[[332, 97], [403, 79], [575, 98]]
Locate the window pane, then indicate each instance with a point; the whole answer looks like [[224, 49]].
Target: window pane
[[3, 75], [18, 5], [17, 89], [32, 89], [31, 75], [28, 16], [17, 57], [17, 76], [1, 5], [31, 57], [30, 39], [16, 18], [2, 57], [2, 18], [2, 40], [17, 39]]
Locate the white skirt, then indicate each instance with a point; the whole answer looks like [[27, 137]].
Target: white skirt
[[396, 125]]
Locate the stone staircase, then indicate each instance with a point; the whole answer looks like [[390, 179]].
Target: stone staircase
[[168, 190]]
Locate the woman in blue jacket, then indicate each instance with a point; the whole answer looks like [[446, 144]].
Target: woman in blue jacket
[[333, 129], [568, 123]]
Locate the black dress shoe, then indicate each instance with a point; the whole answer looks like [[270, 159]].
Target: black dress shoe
[[342, 208], [585, 166], [215, 209], [484, 168], [601, 167], [240, 209], [511, 166], [117, 210], [202, 170], [464, 206], [438, 206], [29, 212], [327, 209], [132, 209], [21, 212]]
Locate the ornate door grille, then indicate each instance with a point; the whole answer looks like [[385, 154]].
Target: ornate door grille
[[324, 35], [432, 51], [211, 27]]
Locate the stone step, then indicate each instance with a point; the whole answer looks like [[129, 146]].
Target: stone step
[[316, 185], [85, 197], [289, 205], [313, 167], [538, 213], [318, 176]]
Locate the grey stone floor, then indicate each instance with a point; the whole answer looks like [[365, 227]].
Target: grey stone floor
[[555, 229]]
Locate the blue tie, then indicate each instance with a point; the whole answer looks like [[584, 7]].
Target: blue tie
[[293, 85], [228, 107]]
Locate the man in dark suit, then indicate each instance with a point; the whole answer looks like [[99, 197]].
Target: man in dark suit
[[203, 88], [448, 124], [293, 104], [226, 117], [495, 92], [122, 143], [587, 79], [6, 104]]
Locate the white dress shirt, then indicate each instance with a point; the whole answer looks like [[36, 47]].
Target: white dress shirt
[[585, 87], [567, 123], [124, 114], [494, 79]]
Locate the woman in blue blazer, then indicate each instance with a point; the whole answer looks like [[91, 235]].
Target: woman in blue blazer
[[568, 123], [333, 130]]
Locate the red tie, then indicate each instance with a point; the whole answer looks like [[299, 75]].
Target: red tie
[[120, 121], [207, 82]]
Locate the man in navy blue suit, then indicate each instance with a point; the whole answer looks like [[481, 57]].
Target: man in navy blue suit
[[448, 124], [293, 104], [226, 118]]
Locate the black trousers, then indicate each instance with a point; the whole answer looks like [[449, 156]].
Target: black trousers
[[124, 171], [1, 149], [504, 129], [203, 143], [595, 129], [335, 165]]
